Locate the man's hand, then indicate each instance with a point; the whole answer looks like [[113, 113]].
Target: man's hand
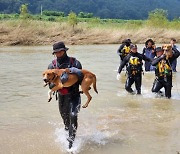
[[64, 77], [118, 76], [153, 48], [78, 72]]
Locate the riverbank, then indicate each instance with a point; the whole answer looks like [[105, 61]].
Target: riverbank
[[32, 32]]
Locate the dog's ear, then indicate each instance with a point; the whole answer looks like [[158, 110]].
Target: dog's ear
[[163, 47], [43, 73], [170, 45], [54, 72]]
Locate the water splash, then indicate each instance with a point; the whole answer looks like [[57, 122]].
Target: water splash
[[146, 93], [85, 136]]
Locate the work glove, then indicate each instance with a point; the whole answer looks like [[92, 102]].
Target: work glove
[[118, 76], [64, 77]]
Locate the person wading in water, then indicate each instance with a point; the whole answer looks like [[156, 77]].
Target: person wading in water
[[69, 99], [163, 70], [134, 69]]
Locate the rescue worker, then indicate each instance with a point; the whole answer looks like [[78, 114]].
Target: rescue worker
[[134, 69], [174, 63], [69, 99], [124, 49], [163, 70], [149, 51]]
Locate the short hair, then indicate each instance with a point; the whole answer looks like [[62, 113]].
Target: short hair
[[149, 40], [173, 39]]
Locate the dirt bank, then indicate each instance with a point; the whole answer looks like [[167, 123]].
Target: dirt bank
[[46, 33]]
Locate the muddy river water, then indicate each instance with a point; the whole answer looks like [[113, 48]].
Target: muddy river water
[[115, 121]]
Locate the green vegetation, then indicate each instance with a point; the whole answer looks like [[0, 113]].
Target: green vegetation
[[72, 19], [53, 13], [83, 28], [85, 15], [24, 12], [156, 18]]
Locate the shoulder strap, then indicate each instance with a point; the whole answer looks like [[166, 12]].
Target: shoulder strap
[[54, 62], [72, 60]]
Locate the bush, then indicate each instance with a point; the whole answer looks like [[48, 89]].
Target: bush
[[72, 19], [16, 16], [53, 13], [157, 18], [95, 20], [51, 19], [85, 15]]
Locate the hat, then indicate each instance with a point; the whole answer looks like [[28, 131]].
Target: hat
[[158, 49], [127, 41], [59, 46], [133, 46]]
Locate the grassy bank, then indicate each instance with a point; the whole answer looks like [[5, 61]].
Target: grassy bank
[[87, 31]]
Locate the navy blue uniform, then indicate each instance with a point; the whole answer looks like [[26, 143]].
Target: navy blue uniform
[[134, 70], [164, 77]]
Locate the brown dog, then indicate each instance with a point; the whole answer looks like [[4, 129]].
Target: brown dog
[[53, 76], [167, 50]]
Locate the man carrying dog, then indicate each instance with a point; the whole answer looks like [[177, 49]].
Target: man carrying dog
[[68, 98], [163, 70], [134, 69]]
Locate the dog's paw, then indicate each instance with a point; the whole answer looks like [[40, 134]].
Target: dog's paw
[[67, 70], [45, 84], [49, 99], [81, 92], [85, 106]]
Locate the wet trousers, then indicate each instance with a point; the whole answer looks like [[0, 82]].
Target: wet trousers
[[130, 80], [69, 106], [160, 83]]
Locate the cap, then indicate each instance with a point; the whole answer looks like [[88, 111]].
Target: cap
[[133, 46], [158, 49]]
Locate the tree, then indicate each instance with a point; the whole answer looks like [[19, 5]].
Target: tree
[[72, 19], [24, 11], [158, 18]]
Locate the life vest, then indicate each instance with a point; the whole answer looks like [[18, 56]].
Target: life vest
[[163, 69], [125, 51], [64, 90], [65, 65], [134, 65]]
